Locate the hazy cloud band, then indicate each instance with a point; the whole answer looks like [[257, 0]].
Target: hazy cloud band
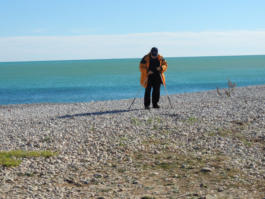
[[170, 44]]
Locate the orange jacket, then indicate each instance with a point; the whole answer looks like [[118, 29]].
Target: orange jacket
[[144, 66]]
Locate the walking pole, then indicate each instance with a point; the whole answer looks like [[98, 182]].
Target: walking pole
[[166, 92], [137, 94], [135, 98]]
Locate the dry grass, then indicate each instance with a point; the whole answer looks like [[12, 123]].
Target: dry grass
[[184, 170], [228, 92]]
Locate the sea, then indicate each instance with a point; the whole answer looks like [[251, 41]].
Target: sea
[[111, 79]]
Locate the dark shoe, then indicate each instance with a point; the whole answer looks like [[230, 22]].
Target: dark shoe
[[147, 107], [156, 106]]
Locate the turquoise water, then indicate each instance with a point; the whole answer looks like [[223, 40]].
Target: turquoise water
[[92, 80]]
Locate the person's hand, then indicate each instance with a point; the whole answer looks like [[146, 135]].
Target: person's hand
[[158, 69], [150, 72]]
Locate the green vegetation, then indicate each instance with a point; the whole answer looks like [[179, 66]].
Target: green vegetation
[[92, 128], [13, 158], [135, 121], [154, 120], [47, 139], [9, 162], [233, 133], [106, 190], [192, 120], [187, 167], [147, 197], [122, 142], [224, 132]]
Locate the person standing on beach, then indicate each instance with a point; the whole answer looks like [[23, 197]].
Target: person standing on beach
[[152, 68]]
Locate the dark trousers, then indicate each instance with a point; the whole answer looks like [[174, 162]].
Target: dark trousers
[[155, 94]]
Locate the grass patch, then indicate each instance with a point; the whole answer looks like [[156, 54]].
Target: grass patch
[[168, 165], [123, 142], [212, 134], [224, 132], [188, 168], [9, 162], [156, 141], [106, 190], [47, 139], [156, 120], [121, 170], [149, 121], [192, 120], [233, 133], [13, 158], [147, 197], [135, 121]]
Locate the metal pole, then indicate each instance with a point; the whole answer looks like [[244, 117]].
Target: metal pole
[[168, 97], [134, 98], [137, 94], [166, 92]]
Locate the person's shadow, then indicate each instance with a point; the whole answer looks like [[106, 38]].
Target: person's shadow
[[96, 113]]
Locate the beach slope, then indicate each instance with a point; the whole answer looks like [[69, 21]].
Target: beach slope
[[207, 145]]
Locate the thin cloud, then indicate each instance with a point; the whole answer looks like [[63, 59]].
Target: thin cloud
[[170, 44]]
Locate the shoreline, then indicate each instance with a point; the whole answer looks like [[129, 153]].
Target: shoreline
[[103, 59], [205, 146], [114, 100]]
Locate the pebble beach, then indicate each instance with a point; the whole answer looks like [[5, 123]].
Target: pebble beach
[[206, 146]]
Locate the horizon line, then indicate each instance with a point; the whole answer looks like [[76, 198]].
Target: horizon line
[[98, 59]]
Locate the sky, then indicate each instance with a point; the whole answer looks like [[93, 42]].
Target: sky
[[103, 29]]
